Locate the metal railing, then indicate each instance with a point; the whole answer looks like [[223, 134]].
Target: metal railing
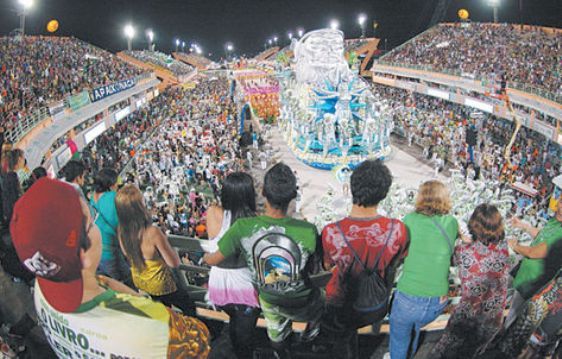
[[26, 124], [515, 85]]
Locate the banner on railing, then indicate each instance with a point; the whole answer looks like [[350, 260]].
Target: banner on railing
[[108, 90], [78, 101], [56, 109]]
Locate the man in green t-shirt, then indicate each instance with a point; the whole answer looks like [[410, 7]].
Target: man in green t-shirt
[[532, 267], [278, 250]]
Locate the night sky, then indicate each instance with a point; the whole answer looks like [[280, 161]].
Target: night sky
[[249, 23]]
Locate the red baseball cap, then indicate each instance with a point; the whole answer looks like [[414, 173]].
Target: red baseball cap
[[46, 227]]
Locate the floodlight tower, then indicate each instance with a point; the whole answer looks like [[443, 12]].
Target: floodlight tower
[[150, 38], [25, 6], [129, 34], [495, 4], [334, 24], [177, 44], [301, 32], [229, 48], [361, 19]]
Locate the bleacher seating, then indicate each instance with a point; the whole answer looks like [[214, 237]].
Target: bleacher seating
[[38, 70], [529, 56], [162, 60]]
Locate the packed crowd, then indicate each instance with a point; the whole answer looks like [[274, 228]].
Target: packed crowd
[[262, 262], [160, 59], [198, 60], [37, 70], [443, 129], [107, 273], [529, 56]]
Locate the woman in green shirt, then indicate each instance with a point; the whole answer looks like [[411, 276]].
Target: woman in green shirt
[[532, 274], [422, 289]]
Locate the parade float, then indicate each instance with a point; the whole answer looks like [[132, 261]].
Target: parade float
[[329, 117]]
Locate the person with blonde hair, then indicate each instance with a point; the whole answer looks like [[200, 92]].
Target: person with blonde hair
[[422, 289], [148, 251]]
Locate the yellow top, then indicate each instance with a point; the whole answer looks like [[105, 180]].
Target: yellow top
[[155, 279]]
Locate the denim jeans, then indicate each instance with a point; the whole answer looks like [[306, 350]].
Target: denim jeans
[[411, 313], [116, 268]]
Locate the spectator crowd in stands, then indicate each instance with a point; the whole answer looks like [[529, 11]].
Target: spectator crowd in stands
[[160, 59], [104, 245], [441, 128], [527, 56], [37, 70]]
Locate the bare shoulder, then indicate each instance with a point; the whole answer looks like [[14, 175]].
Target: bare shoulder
[[215, 212], [153, 233]]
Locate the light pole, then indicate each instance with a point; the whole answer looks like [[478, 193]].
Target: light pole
[[275, 40], [229, 48], [334, 24], [150, 37], [495, 4], [25, 5], [129, 33], [183, 46], [301, 32], [177, 44], [270, 42], [361, 20], [290, 35]]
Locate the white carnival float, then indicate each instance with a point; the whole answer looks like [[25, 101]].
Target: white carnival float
[[328, 116]]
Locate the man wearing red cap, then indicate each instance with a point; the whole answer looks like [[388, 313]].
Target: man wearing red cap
[[84, 315]]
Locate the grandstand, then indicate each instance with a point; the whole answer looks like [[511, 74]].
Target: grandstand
[[364, 49], [444, 59], [62, 98], [267, 54], [35, 86], [169, 70], [200, 62]]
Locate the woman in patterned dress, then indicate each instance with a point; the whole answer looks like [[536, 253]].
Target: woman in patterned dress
[[483, 270]]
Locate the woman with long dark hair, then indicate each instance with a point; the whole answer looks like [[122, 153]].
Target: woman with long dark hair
[[230, 283], [148, 251]]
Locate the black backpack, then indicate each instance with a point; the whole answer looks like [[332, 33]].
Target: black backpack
[[368, 291]]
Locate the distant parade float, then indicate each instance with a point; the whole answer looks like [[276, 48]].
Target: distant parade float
[[329, 116], [261, 91]]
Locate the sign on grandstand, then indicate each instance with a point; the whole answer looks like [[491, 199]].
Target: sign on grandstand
[[56, 109], [79, 101], [111, 89]]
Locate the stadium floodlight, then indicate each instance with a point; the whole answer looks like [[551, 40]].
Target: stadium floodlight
[[334, 24], [229, 47], [150, 37], [495, 4], [361, 20], [130, 34], [290, 35], [301, 32], [183, 46], [275, 39], [198, 50], [25, 5], [177, 44], [270, 42]]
